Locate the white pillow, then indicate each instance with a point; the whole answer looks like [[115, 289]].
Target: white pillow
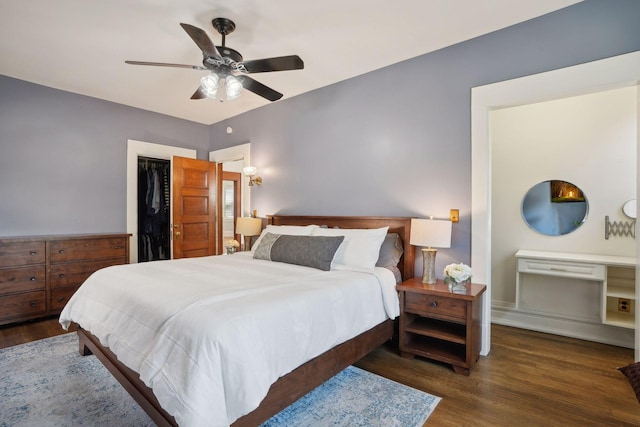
[[291, 230], [360, 248]]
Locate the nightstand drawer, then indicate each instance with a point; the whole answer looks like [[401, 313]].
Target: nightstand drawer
[[435, 305]]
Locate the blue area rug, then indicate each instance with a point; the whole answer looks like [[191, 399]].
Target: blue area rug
[[48, 383]]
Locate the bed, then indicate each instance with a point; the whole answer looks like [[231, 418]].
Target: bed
[[307, 372]]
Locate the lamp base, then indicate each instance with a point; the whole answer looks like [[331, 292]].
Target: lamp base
[[247, 243], [429, 265]]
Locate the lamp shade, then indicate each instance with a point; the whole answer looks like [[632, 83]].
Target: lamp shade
[[249, 170], [248, 226], [430, 233]]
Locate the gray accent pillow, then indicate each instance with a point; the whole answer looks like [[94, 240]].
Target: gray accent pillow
[[309, 251], [390, 253]]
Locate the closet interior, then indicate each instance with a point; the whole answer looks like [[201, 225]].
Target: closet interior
[[153, 209]]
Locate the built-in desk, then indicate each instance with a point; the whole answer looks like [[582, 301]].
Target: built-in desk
[[578, 287]]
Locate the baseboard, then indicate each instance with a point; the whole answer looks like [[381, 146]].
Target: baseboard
[[507, 315]]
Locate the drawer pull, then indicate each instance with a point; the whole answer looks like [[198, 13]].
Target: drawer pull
[[434, 304], [558, 269], [60, 299], [61, 251], [33, 279], [33, 303], [32, 253], [61, 275]]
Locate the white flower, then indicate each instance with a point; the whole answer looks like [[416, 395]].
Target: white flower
[[457, 273], [232, 244]]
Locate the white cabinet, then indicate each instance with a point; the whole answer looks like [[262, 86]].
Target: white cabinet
[[581, 287]]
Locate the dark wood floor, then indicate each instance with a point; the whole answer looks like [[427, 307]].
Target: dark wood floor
[[529, 379]]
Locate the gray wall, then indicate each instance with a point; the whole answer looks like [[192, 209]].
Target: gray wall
[[397, 141], [63, 158], [392, 142]]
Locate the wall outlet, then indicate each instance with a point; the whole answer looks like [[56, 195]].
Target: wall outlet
[[624, 305]]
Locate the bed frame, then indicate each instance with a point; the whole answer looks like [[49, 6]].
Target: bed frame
[[303, 379]]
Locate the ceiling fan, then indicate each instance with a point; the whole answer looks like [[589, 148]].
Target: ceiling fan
[[228, 70]]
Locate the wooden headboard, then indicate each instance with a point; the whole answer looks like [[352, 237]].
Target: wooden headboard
[[399, 225]]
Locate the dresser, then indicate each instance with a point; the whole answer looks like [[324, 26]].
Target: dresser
[[38, 274]]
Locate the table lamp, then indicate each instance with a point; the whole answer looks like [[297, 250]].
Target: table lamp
[[248, 227], [430, 234]]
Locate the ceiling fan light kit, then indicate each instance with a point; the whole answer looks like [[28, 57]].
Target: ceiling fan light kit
[[228, 70]]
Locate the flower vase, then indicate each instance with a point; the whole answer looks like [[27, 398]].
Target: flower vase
[[230, 250], [458, 286]]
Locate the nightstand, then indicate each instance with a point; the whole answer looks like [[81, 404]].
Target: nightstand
[[439, 324]]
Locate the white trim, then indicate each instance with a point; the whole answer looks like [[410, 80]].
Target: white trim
[[610, 73], [147, 149], [237, 152], [508, 315]]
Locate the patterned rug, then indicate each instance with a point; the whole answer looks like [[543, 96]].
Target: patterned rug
[[48, 383]]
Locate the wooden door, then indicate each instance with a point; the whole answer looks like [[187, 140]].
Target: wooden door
[[234, 180], [194, 207]]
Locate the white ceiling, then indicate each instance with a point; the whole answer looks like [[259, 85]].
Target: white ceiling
[[80, 45]]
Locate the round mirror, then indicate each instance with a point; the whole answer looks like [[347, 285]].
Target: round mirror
[[629, 208], [554, 207]]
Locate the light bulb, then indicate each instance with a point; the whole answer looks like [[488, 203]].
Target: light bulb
[[233, 86], [209, 84]]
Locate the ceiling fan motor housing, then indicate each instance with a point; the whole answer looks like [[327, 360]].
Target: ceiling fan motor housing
[[233, 54]]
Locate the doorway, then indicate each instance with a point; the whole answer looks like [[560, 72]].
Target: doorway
[[231, 204], [154, 227], [137, 149], [580, 79]]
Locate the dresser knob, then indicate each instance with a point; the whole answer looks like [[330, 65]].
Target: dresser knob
[[33, 279], [32, 253], [61, 251], [33, 303], [434, 304], [60, 299], [61, 275]]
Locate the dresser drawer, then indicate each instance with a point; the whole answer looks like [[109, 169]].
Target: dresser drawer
[[73, 274], [22, 279], [21, 253], [60, 297], [435, 305], [26, 304], [86, 249]]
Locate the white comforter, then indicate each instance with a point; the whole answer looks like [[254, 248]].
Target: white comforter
[[210, 335]]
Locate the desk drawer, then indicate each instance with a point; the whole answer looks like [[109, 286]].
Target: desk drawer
[[425, 304], [562, 269]]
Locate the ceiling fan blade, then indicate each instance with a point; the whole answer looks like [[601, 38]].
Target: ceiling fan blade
[[258, 88], [164, 64], [199, 94], [202, 40], [281, 63]]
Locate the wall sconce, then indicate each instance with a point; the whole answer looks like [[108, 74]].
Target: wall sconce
[[250, 171], [430, 233], [454, 215]]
